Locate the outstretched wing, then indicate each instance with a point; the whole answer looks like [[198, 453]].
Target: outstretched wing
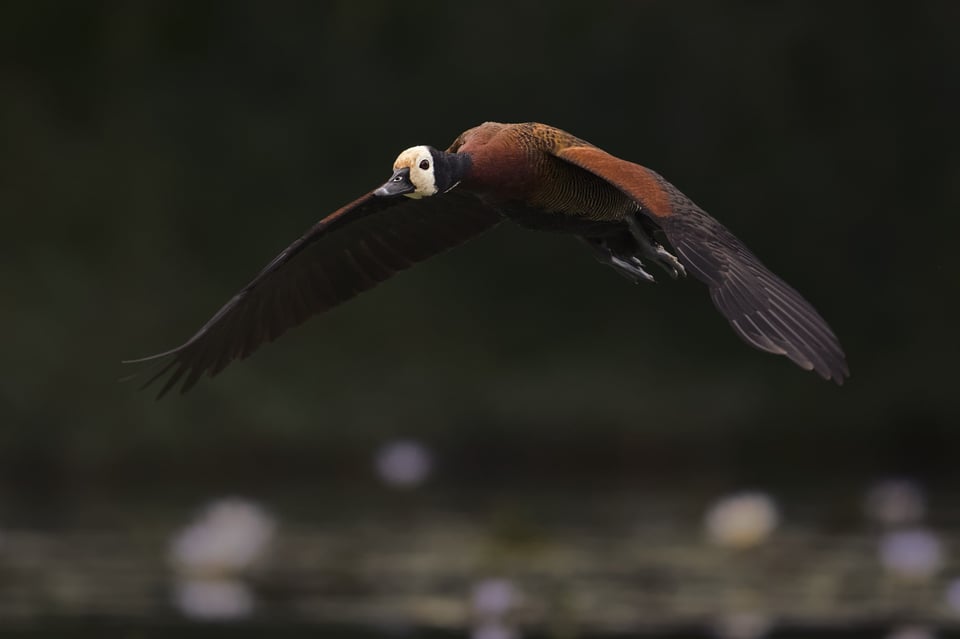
[[346, 253], [763, 309]]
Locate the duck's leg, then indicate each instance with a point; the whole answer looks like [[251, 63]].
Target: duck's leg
[[629, 266], [652, 249]]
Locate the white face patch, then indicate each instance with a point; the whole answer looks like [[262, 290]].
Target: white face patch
[[420, 163]]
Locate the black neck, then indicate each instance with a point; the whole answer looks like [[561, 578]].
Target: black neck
[[449, 168]]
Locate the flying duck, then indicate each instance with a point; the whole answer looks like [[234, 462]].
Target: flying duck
[[541, 178]]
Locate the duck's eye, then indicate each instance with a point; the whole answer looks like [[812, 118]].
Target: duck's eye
[[424, 164]]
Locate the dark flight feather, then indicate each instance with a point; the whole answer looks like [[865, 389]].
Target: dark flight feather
[[763, 310], [347, 252]]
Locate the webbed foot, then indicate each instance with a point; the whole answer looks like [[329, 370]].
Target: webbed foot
[[654, 250], [632, 268], [629, 266]]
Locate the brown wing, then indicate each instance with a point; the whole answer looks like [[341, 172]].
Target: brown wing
[[347, 252], [763, 309]]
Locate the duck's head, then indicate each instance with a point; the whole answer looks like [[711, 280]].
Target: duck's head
[[422, 171]]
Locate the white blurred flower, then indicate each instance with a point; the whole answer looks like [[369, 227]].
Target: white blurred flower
[[743, 625], [493, 631], [895, 502], [741, 520], [911, 632], [228, 537], [403, 463], [952, 596], [914, 553], [493, 598], [213, 599]]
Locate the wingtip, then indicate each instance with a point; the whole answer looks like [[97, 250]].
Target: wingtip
[[842, 374], [149, 358], [164, 368], [836, 378], [838, 372]]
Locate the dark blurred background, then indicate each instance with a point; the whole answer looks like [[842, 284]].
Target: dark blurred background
[[155, 155]]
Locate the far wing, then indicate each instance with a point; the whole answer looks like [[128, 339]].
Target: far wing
[[762, 309], [347, 252]]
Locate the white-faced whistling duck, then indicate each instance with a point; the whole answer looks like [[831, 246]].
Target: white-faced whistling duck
[[542, 178]]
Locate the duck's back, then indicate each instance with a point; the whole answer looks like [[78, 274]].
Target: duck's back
[[516, 166]]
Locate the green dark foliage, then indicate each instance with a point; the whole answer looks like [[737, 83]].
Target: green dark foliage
[[155, 155]]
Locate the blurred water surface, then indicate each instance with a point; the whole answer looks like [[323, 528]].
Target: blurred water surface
[[368, 562]]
